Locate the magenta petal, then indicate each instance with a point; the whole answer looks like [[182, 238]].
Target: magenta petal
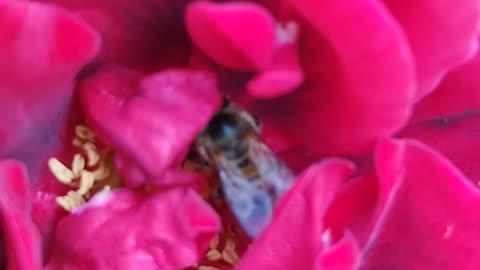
[[20, 237], [283, 76], [149, 121], [458, 92], [239, 35], [41, 50], [293, 240], [359, 77], [442, 34], [455, 137], [343, 255], [355, 208], [431, 216], [148, 35], [126, 230]]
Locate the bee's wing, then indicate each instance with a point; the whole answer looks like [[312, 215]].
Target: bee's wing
[[251, 206], [273, 171], [253, 201]]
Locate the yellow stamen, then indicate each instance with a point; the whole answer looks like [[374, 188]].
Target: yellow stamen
[[84, 133], [228, 254], [93, 156], [214, 243], [70, 201], [101, 172], [78, 164], [77, 142], [86, 182], [89, 182], [60, 171], [230, 244], [205, 267], [214, 255]]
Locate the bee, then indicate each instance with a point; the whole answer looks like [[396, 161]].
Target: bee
[[252, 178]]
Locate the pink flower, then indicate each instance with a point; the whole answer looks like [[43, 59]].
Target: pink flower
[[368, 101]]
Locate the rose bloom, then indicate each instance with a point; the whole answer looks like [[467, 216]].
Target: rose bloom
[[373, 104]]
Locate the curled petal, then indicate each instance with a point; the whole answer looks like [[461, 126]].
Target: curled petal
[[431, 203], [458, 92], [126, 230], [41, 50], [239, 35], [343, 255], [20, 237], [359, 78], [152, 121], [294, 239], [442, 35], [355, 208], [283, 76], [456, 137]]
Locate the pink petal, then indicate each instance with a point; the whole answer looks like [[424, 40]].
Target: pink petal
[[355, 208], [239, 35], [343, 255], [456, 137], [20, 237], [358, 78], [282, 77], [41, 51], [430, 217], [148, 35], [457, 93], [127, 230], [442, 34], [149, 121], [293, 240]]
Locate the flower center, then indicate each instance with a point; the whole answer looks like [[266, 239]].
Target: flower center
[[91, 171]]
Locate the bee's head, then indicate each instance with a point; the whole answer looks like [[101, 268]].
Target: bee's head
[[226, 130]]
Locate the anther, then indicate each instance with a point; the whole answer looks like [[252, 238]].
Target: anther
[[214, 242], [60, 171], [214, 255], [78, 164], [93, 157], [86, 182], [205, 267], [228, 254], [70, 201], [101, 172], [84, 133]]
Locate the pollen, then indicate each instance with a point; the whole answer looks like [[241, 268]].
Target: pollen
[[90, 172]]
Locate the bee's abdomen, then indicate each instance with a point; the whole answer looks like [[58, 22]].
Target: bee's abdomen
[[248, 168]]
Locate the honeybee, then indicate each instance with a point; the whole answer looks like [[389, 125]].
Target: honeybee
[[252, 178]]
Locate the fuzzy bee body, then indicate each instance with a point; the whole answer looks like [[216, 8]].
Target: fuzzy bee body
[[252, 177]]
